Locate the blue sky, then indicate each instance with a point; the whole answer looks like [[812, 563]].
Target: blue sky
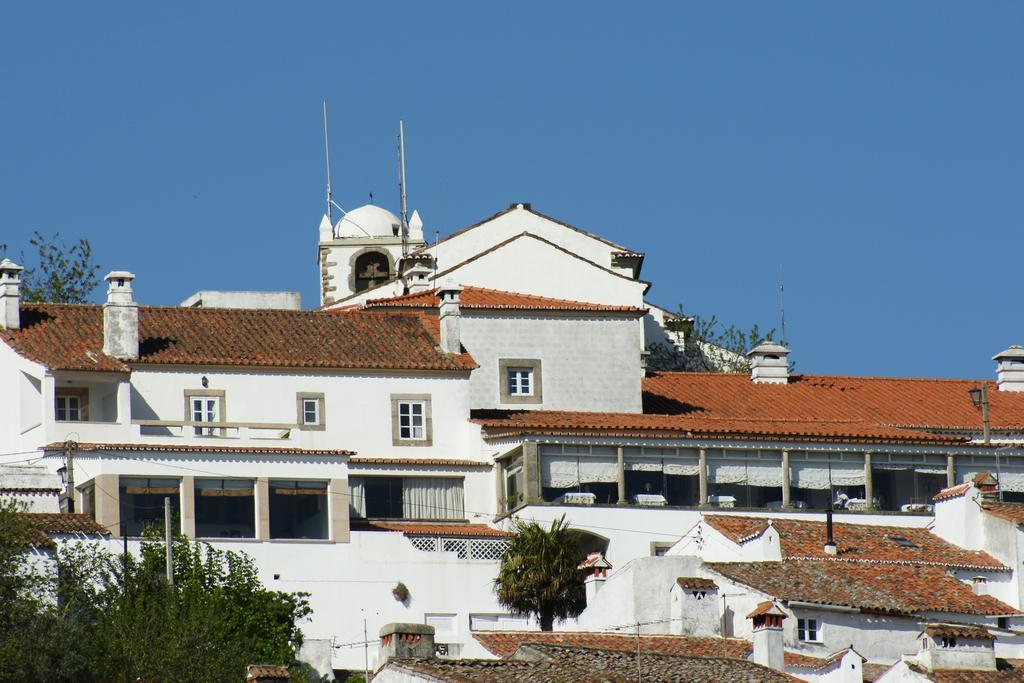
[[872, 151]]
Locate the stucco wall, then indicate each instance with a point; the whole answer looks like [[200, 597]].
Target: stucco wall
[[588, 364]]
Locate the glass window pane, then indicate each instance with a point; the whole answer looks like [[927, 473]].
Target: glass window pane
[[225, 508], [142, 503], [298, 509]]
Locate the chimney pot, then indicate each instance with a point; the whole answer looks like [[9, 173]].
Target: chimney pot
[[979, 585], [10, 295], [451, 317], [767, 620], [120, 317], [406, 641], [830, 543], [769, 363], [1010, 369]]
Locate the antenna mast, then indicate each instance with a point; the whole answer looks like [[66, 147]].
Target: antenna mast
[[401, 188], [327, 151], [782, 306]]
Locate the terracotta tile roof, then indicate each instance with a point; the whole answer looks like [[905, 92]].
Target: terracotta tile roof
[[952, 492], [267, 672], [431, 529], [1012, 512], [872, 672], [473, 298], [70, 337], [185, 448], [43, 525], [805, 539], [425, 462], [880, 401], [505, 423], [765, 607], [870, 586], [550, 663], [1006, 671], [695, 582], [958, 631], [504, 643]]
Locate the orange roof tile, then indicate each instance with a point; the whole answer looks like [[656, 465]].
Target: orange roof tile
[[495, 299], [805, 539], [958, 631], [43, 525], [695, 582], [1011, 512], [880, 401], [423, 462], [431, 528], [873, 587], [504, 643], [70, 337], [952, 492], [505, 423], [185, 448]]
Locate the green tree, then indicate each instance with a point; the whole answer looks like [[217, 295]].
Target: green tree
[[62, 274], [80, 613], [538, 573], [704, 345]]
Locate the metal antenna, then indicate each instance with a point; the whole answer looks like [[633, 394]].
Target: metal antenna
[[327, 153], [782, 306], [401, 188]]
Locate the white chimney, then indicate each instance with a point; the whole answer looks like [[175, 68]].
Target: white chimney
[[598, 567], [120, 317], [451, 317], [10, 295], [767, 627], [769, 363], [1010, 369], [979, 585]]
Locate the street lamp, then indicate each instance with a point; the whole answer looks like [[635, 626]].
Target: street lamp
[[979, 396]]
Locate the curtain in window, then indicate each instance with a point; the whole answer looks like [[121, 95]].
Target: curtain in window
[[737, 469], [917, 467], [599, 469], [432, 498], [821, 474], [357, 497], [559, 471], [637, 463]]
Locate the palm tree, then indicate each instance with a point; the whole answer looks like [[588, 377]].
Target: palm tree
[[538, 574]]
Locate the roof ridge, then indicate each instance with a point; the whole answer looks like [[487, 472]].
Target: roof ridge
[[800, 375]]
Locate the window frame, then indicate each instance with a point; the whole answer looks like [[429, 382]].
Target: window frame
[[318, 485], [300, 408], [222, 410], [81, 394], [197, 497], [508, 365], [397, 400], [803, 630]]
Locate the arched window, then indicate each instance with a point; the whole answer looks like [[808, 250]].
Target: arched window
[[372, 268]]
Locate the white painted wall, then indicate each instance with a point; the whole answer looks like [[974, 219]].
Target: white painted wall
[[289, 301], [587, 363]]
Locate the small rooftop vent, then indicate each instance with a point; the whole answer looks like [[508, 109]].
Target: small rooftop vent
[[769, 363], [1010, 369]]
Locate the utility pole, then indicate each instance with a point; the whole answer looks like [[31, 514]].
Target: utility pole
[[639, 673], [366, 653], [169, 540], [69, 463]]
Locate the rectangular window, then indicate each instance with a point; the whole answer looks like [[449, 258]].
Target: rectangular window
[[225, 508], [520, 381], [71, 405], [514, 484], [410, 420], [411, 424], [807, 630], [88, 493], [298, 509], [206, 408], [407, 497], [142, 504], [310, 410]]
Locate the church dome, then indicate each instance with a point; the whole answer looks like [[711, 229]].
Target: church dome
[[369, 221]]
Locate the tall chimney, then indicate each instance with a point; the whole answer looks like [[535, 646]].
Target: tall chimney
[[1010, 369], [830, 543], [10, 295], [769, 363], [767, 626], [120, 317], [406, 641], [451, 317]]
